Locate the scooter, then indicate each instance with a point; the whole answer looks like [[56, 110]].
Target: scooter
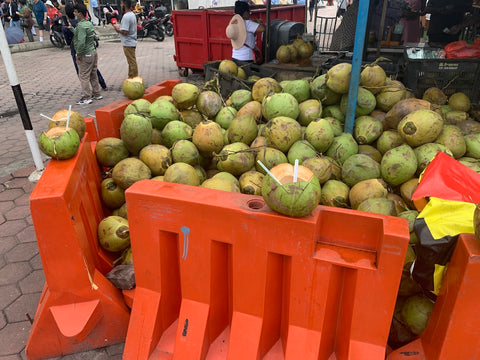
[[151, 28], [167, 24], [57, 36]]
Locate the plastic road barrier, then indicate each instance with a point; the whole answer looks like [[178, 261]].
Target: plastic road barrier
[[453, 329], [110, 117], [220, 276], [79, 308]]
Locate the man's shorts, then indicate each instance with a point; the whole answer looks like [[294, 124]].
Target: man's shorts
[[46, 27]]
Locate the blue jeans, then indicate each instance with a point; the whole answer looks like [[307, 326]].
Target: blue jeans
[[15, 24]]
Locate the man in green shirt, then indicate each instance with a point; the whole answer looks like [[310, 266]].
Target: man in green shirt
[[87, 58]]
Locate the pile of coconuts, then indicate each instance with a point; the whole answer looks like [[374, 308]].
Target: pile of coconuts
[[195, 137], [296, 52]]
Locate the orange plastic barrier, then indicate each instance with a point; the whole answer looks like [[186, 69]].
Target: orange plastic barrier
[[79, 309], [220, 276], [454, 326], [110, 117]]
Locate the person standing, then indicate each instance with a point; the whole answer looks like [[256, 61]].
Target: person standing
[[96, 11], [40, 11], [87, 58], [242, 32], [311, 7], [26, 14], [12, 14], [128, 36]]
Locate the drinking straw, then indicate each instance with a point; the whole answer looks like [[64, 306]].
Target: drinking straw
[[269, 173], [68, 116], [46, 117], [295, 171]]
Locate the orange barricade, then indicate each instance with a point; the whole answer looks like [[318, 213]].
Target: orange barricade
[[110, 117], [220, 276], [453, 329], [79, 308]]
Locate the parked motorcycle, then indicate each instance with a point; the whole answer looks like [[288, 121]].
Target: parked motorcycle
[[151, 28], [167, 24], [57, 37]]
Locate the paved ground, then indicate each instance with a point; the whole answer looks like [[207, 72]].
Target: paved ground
[[49, 83]]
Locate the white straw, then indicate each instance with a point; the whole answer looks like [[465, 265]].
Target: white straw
[[46, 117], [295, 171], [269, 173], [68, 116]]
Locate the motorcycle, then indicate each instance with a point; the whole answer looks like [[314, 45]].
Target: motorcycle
[[167, 24], [151, 28], [57, 37]]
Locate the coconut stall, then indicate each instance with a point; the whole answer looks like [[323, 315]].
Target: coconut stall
[[219, 217]]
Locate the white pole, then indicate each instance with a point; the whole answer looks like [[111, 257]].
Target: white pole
[[22, 108]]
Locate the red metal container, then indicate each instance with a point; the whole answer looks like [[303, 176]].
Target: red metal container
[[200, 34]]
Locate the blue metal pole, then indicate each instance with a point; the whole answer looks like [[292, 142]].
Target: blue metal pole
[[360, 31]]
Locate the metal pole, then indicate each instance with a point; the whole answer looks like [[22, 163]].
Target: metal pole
[[22, 107], [356, 64], [267, 32], [382, 26]]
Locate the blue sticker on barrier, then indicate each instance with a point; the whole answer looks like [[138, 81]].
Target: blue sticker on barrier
[[186, 231]]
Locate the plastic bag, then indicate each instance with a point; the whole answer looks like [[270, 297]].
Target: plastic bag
[[460, 49]]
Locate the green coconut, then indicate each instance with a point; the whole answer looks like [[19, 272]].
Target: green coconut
[[191, 117], [389, 139], [113, 196], [460, 101], [220, 184], [435, 95], [398, 165], [370, 151], [264, 87], [76, 121], [336, 125], [393, 92], [366, 102], [367, 189], [300, 150], [299, 89], [320, 91], [229, 67], [416, 312], [335, 193], [157, 158], [236, 158], [133, 88], [113, 233], [227, 176], [185, 151], [251, 182], [182, 173], [282, 132], [338, 78], [359, 167], [296, 199], [333, 111], [162, 112], [225, 116], [283, 54], [209, 103], [130, 170], [208, 138], [282, 104], [367, 129], [472, 142], [410, 216], [342, 147], [175, 130], [109, 151], [185, 95], [321, 167], [136, 133], [59, 143], [378, 205], [373, 78], [138, 107], [270, 157], [243, 128], [320, 134], [420, 127], [426, 152], [240, 97], [455, 117], [309, 111]]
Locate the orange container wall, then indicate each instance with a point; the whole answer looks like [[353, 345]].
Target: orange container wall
[[220, 276], [200, 34], [110, 117], [453, 328], [79, 308]]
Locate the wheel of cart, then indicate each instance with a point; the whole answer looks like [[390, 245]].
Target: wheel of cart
[[183, 71]]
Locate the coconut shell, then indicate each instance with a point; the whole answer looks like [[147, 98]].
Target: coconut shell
[[366, 189], [403, 108]]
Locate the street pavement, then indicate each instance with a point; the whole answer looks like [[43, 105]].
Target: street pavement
[[49, 83]]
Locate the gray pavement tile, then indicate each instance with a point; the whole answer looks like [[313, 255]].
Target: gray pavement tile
[[116, 349], [14, 338], [18, 212], [5, 178], [12, 273], [22, 252], [27, 234], [12, 227], [33, 283], [25, 172], [2, 219], [5, 206], [10, 357], [36, 262], [8, 294], [23, 200], [15, 183], [3, 321], [11, 194], [7, 243], [96, 354], [25, 304]]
